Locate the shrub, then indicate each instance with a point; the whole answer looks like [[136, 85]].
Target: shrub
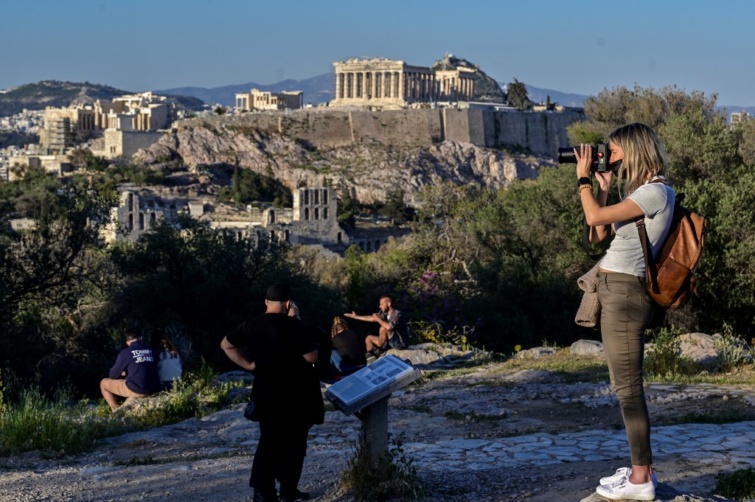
[[32, 421], [394, 477], [436, 332], [732, 350], [36, 422], [195, 395], [664, 359], [739, 484]]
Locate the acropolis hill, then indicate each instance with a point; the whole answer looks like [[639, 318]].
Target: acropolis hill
[[368, 153]]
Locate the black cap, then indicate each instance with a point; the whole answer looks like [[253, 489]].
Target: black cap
[[278, 292]]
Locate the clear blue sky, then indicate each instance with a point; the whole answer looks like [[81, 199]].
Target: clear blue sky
[[579, 47]]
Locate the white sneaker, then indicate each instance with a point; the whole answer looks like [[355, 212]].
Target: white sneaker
[[626, 490], [624, 472]]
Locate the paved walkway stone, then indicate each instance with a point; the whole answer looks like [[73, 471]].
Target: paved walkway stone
[[726, 443]]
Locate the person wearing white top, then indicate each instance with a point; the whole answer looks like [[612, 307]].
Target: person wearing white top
[[168, 363], [637, 157]]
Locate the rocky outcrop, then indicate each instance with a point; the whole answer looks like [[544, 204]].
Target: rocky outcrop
[[366, 171]]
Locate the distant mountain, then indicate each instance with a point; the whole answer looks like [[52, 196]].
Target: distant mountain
[[316, 90], [538, 95], [52, 93], [320, 89], [60, 94]]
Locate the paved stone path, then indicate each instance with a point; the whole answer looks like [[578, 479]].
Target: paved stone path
[[707, 443], [217, 449], [721, 444]]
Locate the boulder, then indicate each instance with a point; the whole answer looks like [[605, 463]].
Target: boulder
[[536, 353], [699, 348], [586, 348]]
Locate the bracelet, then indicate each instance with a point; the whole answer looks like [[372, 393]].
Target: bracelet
[[582, 187]]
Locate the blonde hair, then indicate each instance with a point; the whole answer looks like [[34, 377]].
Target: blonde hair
[[644, 156], [339, 324]]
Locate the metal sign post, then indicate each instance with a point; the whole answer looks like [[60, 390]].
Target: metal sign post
[[365, 394]]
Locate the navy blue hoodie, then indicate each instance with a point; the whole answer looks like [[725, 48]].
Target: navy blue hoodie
[[138, 361]]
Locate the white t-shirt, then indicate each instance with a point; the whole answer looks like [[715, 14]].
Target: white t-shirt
[[169, 366], [625, 252]]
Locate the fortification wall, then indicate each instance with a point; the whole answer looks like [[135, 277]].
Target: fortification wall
[[397, 127], [332, 128], [539, 132]]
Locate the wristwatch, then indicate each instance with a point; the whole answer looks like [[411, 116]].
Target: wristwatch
[[584, 180]]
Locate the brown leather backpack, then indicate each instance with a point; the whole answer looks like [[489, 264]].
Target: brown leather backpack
[[670, 280]]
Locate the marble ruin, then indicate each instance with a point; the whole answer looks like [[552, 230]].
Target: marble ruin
[[262, 100], [381, 83], [311, 221]]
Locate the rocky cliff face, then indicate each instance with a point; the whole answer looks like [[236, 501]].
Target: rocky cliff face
[[366, 171]]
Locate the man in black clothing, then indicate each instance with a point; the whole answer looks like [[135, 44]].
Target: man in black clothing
[[286, 393]]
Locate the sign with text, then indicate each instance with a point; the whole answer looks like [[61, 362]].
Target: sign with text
[[377, 380]]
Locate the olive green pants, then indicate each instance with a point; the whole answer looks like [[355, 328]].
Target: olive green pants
[[625, 311]]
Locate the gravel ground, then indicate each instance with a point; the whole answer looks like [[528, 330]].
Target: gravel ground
[[208, 459]]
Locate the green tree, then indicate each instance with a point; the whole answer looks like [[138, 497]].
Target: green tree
[[248, 186], [746, 130], [51, 272], [355, 272], [517, 96], [203, 282], [85, 160], [346, 211], [395, 209], [700, 147], [612, 108], [711, 164]]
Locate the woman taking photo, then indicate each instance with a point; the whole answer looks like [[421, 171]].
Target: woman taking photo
[[626, 309]]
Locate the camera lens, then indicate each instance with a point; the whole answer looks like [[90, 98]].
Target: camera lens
[[566, 155]]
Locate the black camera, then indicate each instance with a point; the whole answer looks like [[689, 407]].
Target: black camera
[[600, 157]]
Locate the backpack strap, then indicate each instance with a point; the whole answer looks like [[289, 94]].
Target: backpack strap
[[650, 272]]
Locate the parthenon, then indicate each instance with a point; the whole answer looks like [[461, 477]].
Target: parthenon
[[385, 83]]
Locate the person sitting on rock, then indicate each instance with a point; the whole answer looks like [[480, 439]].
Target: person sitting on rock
[[169, 365], [134, 373], [393, 330], [347, 355]]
